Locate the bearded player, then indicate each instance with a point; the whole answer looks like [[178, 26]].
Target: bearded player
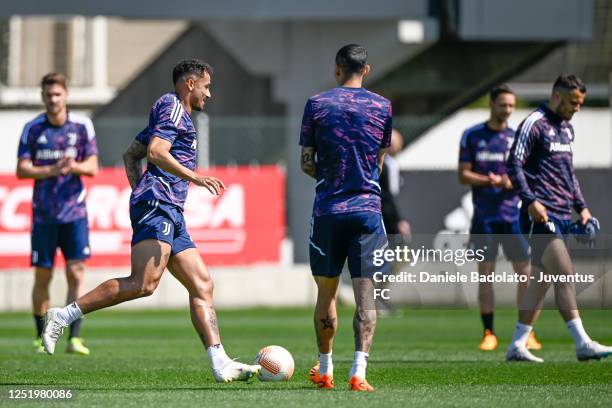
[[160, 237], [541, 169]]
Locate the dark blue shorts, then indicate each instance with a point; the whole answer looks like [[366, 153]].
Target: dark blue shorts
[[154, 219], [72, 238], [540, 234], [489, 235], [334, 238]]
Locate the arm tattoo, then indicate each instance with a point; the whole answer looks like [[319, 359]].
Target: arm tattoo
[[132, 161]]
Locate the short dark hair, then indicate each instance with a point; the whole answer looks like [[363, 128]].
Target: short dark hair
[[498, 90], [352, 59], [53, 78], [190, 67], [568, 83]]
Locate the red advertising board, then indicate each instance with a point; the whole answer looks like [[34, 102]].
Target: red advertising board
[[245, 225]]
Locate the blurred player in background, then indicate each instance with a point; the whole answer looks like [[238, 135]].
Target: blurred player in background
[[56, 149], [345, 133], [482, 164], [390, 183], [541, 169], [160, 238], [397, 227]]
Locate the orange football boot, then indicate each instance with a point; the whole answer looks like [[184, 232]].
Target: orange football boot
[[489, 341], [360, 384], [321, 381], [533, 343]]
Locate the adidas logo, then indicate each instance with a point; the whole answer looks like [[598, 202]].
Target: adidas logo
[[42, 139], [551, 132], [482, 143]]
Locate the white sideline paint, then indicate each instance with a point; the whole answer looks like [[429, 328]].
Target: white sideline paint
[[438, 148]]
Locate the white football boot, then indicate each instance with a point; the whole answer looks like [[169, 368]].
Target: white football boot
[[52, 330], [520, 353], [236, 371], [592, 350]]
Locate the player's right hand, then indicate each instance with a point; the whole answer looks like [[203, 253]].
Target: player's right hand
[[212, 184], [538, 212]]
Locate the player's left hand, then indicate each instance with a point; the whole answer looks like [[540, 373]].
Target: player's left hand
[[496, 180], [212, 184], [586, 233]]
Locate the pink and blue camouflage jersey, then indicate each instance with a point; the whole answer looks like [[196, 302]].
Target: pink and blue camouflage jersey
[[347, 127], [487, 151], [169, 121], [59, 199], [541, 164]]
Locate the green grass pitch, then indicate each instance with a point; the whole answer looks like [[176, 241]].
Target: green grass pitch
[[423, 358]]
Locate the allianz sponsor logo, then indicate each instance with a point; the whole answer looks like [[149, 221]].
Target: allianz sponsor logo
[[49, 154], [560, 147], [486, 155]]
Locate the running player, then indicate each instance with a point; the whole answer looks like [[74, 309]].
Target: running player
[[56, 149], [345, 132], [541, 169], [160, 237], [482, 164]]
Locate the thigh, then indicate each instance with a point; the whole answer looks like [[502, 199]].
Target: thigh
[[542, 236], [44, 244], [181, 238], [514, 243], [188, 268], [327, 245], [483, 236], [367, 234], [74, 240], [149, 259]]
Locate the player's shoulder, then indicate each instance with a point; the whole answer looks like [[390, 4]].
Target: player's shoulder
[[79, 118], [82, 120], [32, 125], [38, 119], [473, 131], [535, 119], [167, 100], [377, 97]]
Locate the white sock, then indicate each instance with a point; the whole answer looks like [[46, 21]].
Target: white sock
[[326, 366], [69, 314], [521, 334], [359, 365], [217, 356], [577, 331]]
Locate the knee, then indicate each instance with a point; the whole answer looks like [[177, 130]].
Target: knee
[[365, 316], [147, 288], [204, 287]]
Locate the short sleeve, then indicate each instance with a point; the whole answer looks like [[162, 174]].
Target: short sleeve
[[91, 146], [307, 132], [386, 140], [166, 120], [143, 136], [24, 151], [466, 155]]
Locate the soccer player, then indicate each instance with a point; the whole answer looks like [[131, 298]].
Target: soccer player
[[482, 164], [345, 133], [56, 149], [540, 167], [160, 237]]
